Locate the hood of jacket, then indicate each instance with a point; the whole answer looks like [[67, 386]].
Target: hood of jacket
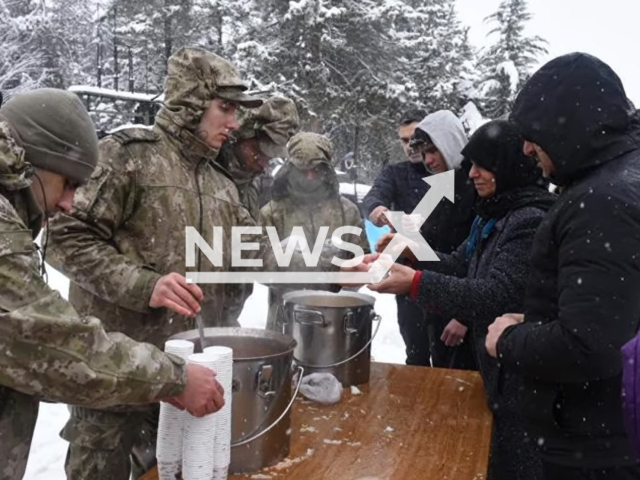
[[576, 109], [447, 134]]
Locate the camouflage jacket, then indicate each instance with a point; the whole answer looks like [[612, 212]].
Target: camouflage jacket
[[127, 228], [286, 213], [128, 225], [248, 183], [311, 210], [46, 349]]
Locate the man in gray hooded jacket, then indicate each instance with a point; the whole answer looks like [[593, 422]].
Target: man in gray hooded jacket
[[440, 138]]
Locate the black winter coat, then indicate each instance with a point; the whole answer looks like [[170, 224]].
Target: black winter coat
[[475, 291], [583, 295], [478, 289], [399, 187]]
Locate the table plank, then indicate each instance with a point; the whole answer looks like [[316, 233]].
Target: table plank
[[409, 423]]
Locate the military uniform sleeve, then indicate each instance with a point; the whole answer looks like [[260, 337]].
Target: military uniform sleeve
[[47, 350], [273, 215], [81, 244]]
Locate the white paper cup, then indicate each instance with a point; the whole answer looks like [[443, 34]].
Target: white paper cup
[[171, 420], [220, 473], [181, 348], [199, 434], [222, 444]]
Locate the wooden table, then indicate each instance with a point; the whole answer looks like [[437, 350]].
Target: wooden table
[[409, 423]]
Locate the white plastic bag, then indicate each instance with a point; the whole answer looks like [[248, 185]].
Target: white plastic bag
[[321, 388]]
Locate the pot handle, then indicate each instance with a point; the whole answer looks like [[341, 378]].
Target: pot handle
[[376, 318], [286, 411], [321, 322]]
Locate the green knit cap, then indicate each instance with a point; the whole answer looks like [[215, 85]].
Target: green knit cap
[[55, 131]]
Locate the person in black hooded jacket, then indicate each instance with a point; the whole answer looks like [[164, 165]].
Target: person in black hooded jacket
[[583, 296], [487, 275]]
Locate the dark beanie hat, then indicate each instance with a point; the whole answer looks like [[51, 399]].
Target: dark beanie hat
[[497, 146], [55, 131]]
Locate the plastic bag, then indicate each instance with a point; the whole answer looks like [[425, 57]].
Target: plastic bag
[[322, 388]]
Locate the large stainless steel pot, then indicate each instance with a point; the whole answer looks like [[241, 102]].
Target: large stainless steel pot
[[333, 332]]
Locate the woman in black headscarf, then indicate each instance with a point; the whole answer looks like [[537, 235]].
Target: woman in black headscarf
[[486, 276]]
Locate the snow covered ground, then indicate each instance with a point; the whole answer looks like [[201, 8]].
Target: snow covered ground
[[48, 449]]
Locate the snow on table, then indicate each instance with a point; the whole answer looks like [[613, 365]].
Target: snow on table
[[48, 450]]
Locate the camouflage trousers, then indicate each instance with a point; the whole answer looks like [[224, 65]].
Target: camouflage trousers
[[18, 415], [110, 445]]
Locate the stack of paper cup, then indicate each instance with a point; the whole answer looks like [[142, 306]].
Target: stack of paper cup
[[171, 423], [222, 443], [199, 435]]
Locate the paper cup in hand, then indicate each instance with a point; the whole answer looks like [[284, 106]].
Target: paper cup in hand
[[222, 443], [380, 268], [171, 422], [220, 473], [199, 435], [412, 223], [403, 243], [181, 348]]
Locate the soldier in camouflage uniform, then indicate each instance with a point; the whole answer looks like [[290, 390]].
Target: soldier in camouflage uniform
[[47, 147], [123, 246], [306, 193], [262, 135]]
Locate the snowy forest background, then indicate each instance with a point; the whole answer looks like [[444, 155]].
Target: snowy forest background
[[352, 66]]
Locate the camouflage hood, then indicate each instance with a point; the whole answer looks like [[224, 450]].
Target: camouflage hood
[[307, 151], [15, 172], [15, 176], [447, 134], [194, 78], [273, 125]]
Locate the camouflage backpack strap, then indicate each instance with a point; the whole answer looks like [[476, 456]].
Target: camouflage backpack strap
[[135, 134]]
